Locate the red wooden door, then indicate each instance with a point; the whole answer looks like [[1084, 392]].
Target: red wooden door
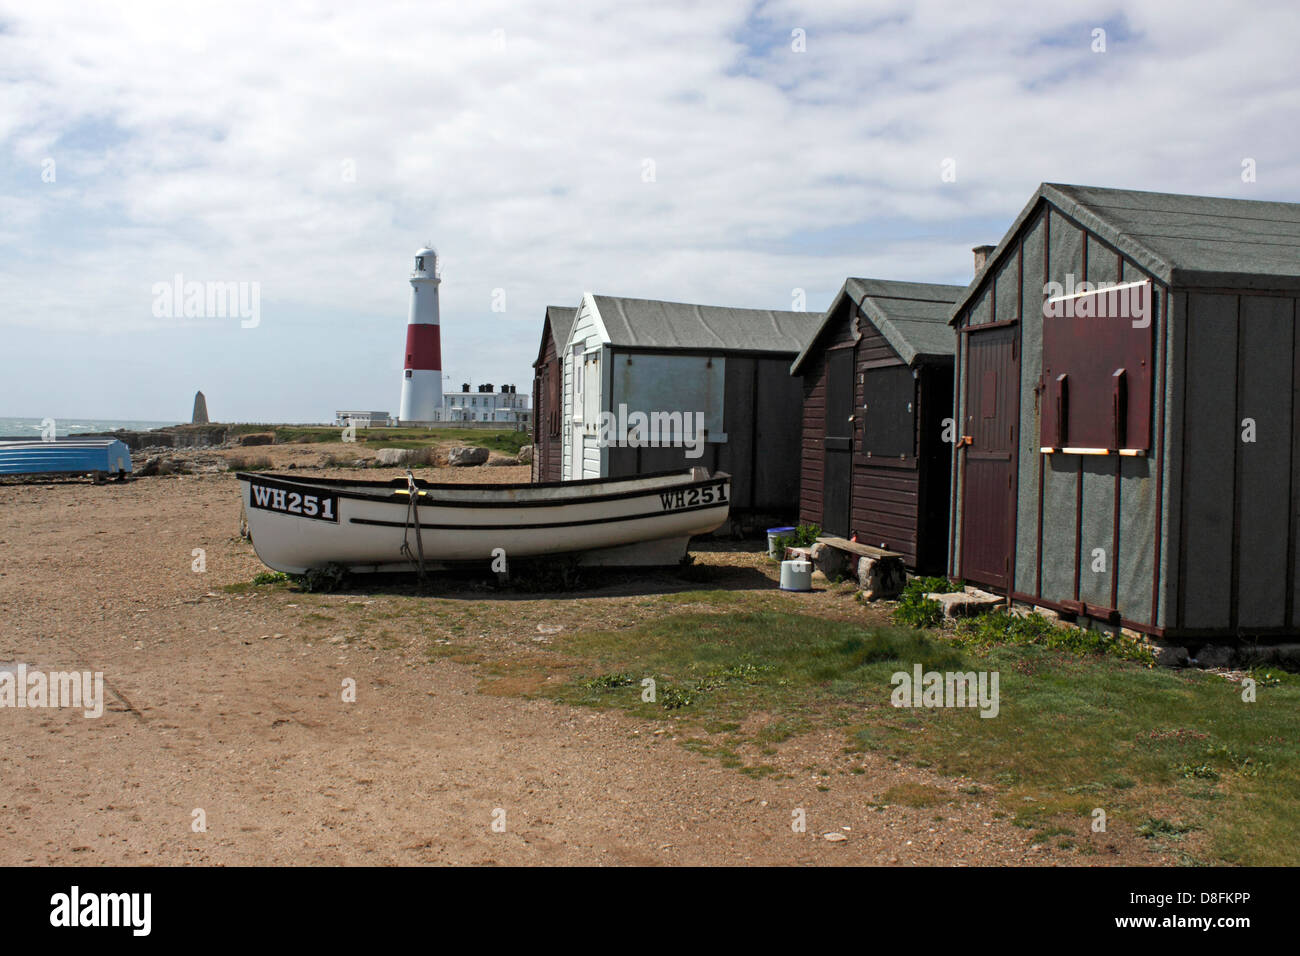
[[989, 443]]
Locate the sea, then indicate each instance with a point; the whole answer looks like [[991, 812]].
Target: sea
[[31, 427]]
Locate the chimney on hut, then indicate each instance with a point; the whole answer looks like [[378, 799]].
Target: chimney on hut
[[982, 254]]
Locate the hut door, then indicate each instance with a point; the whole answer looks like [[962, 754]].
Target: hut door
[[988, 437], [837, 476]]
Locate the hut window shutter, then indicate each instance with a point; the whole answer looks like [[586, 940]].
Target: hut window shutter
[[889, 412], [1097, 370]]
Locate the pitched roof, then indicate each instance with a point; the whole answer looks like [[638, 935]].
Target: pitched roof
[[1201, 241], [912, 316], [559, 320], [648, 323]]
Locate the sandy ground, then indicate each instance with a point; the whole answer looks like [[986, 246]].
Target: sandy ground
[[230, 704]]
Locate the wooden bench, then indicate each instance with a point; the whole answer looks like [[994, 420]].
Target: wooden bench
[[853, 547], [880, 573]]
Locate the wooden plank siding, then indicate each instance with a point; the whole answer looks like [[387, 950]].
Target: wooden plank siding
[[548, 448], [886, 495]]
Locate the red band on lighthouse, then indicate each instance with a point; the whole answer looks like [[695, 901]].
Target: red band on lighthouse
[[423, 347]]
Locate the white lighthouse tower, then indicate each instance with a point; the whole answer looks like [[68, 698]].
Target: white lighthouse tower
[[422, 371]]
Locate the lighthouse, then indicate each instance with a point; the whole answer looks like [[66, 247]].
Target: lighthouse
[[422, 372]]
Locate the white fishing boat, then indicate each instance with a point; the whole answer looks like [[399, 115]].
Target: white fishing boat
[[299, 523]]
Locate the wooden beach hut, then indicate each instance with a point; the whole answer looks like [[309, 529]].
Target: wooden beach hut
[[548, 413], [877, 388], [723, 368], [1127, 455]]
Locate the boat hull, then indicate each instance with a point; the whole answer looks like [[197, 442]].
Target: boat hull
[[66, 456], [297, 524]]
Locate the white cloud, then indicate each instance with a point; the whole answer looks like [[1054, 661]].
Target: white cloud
[[209, 140]]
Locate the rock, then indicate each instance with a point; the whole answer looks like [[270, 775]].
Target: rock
[[388, 457], [504, 462], [526, 454], [1286, 655], [150, 467], [257, 438], [1213, 655], [965, 603], [465, 455], [834, 837], [882, 577], [829, 561], [1170, 655]]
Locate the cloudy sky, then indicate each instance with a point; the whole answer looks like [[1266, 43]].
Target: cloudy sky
[[725, 152]]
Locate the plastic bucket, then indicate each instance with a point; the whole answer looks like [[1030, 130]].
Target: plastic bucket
[[772, 535], [796, 575]]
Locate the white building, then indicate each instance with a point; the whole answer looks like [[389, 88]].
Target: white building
[[362, 419], [484, 403]]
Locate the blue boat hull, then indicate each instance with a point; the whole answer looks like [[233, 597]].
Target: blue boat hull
[[89, 456]]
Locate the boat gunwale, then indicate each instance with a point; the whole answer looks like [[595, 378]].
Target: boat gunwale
[[336, 486], [565, 523]]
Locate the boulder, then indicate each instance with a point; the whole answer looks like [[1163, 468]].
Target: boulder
[[466, 455], [1287, 655], [1213, 655], [831, 562], [965, 603], [257, 438], [1170, 655], [882, 577], [503, 462], [526, 454], [391, 457], [150, 467], [1029, 610]]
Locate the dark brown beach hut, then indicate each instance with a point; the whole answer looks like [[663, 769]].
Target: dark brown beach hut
[[877, 387], [548, 398]]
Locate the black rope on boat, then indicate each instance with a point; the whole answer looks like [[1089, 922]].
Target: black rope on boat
[[413, 519]]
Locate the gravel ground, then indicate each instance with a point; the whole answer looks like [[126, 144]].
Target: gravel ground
[[229, 704]]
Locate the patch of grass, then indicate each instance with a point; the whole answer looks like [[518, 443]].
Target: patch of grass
[[608, 681], [914, 610], [261, 579], [251, 463], [999, 627], [1159, 827], [1083, 730]]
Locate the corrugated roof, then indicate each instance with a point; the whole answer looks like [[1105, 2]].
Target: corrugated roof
[[912, 316], [1198, 241], [649, 323]]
